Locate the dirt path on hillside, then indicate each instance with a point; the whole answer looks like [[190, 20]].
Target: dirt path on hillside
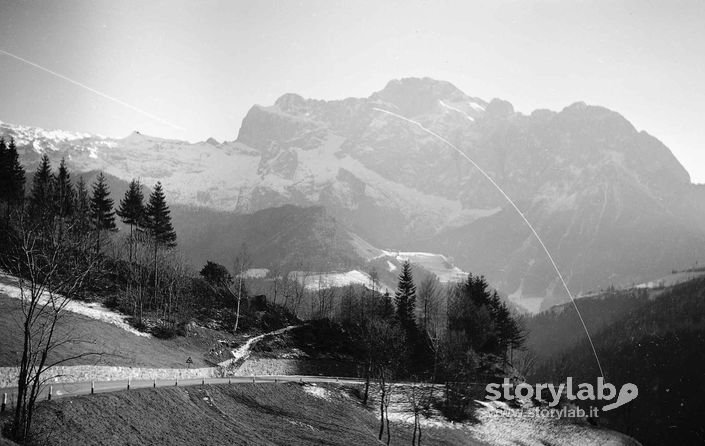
[[242, 352]]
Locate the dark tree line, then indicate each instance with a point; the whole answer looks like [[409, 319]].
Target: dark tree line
[[12, 177]]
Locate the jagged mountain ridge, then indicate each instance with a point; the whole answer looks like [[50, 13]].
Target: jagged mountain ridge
[[612, 204]]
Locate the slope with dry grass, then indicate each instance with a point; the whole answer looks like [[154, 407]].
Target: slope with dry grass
[[245, 414]]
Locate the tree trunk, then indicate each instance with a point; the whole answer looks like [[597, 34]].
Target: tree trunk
[[130, 244], [413, 436], [156, 270], [386, 416], [419, 441], [19, 421], [381, 415], [239, 297]]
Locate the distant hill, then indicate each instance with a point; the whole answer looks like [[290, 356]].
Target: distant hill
[[553, 331], [658, 346], [289, 237]]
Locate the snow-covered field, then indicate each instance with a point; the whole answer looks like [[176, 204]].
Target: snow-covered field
[[495, 425], [437, 264], [9, 286], [315, 280]]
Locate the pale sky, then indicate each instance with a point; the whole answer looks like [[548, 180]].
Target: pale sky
[[192, 69]]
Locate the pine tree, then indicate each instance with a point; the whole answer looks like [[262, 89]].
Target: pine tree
[[159, 220], [102, 213], [82, 207], [132, 211], [405, 297], [510, 335], [4, 171], [63, 191], [387, 307], [40, 200], [159, 226], [17, 175]]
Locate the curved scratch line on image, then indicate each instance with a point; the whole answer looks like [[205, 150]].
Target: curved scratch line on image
[[93, 90], [521, 214]]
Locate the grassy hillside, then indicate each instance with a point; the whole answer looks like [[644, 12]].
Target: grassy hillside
[[248, 414], [117, 346]]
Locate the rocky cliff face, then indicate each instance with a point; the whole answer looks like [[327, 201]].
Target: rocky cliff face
[[611, 203]]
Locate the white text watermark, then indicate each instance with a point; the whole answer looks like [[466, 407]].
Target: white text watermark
[[585, 392]]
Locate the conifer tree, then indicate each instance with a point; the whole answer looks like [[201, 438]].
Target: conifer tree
[[159, 220], [40, 200], [132, 211], [17, 175], [82, 207], [4, 171], [510, 335], [405, 297], [63, 191], [387, 307], [159, 226], [102, 213]]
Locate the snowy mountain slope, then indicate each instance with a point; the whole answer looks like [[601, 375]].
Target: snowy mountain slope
[[611, 203]]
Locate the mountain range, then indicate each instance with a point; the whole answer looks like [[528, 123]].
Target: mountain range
[[612, 204]]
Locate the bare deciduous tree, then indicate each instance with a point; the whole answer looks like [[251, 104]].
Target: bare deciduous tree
[[240, 266], [428, 296], [51, 266], [420, 398], [384, 344]]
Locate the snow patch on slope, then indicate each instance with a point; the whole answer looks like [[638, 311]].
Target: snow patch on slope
[[314, 281], [437, 264], [92, 310], [318, 392], [450, 107]]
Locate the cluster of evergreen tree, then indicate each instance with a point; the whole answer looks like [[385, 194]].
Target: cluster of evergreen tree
[[152, 219], [54, 198], [150, 224], [55, 202], [482, 332], [470, 339], [12, 176]]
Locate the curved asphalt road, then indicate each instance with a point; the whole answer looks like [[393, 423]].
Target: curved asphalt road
[[64, 390]]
